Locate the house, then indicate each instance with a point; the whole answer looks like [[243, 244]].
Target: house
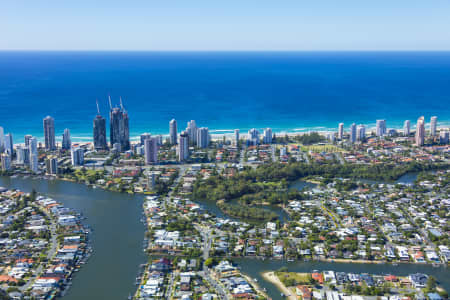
[[304, 292], [161, 265], [317, 277], [418, 280]]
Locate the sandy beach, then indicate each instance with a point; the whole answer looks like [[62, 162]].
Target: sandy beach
[[271, 277]]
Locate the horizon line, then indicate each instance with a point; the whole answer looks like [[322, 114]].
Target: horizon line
[[219, 50]]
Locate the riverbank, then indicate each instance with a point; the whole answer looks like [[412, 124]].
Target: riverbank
[[116, 237], [273, 278]]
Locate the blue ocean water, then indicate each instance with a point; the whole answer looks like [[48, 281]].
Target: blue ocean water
[[287, 91]]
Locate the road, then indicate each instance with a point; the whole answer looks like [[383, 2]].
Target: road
[[215, 284], [51, 252]]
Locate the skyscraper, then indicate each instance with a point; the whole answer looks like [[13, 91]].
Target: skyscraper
[[173, 131], [22, 155], [433, 125], [99, 127], [119, 127], [52, 165], [125, 134], [353, 133], [192, 131], [406, 128], [33, 154], [32, 146], [341, 131], [253, 137], [203, 137], [444, 136], [183, 146], [145, 136], [6, 161], [236, 137], [267, 136], [27, 139], [420, 131], [77, 155], [9, 145], [151, 150], [381, 127], [360, 132], [34, 163], [66, 142], [49, 133], [2, 139]]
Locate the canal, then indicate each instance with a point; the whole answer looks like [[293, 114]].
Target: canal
[[117, 235], [255, 267]]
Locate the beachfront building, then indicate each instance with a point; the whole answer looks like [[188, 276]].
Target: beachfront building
[[253, 137], [381, 127], [341, 131], [420, 131], [173, 132], [433, 125], [203, 137], [191, 130], [406, 128], [49, 133], [360, 132], [353, 133], [183, 146], [144, 137], [267, 136], [77, 155], [151, 150], [66, 142], [236, 137]]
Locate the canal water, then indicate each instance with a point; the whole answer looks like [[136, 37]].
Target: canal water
[[116, 239], [255, 267], [117, 242]]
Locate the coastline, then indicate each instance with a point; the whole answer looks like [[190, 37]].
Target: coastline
[[218, 134]]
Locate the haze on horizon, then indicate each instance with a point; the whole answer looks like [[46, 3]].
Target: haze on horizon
[[232, 25]]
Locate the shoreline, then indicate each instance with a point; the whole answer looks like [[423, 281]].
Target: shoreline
[[272, 278], [218, 134]]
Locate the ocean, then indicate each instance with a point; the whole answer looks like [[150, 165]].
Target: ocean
[[287, 91]]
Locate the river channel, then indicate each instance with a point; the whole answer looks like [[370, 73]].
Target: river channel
[[116, 239], [118, 235]]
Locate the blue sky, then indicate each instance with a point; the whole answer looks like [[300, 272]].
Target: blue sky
[[225, 25]]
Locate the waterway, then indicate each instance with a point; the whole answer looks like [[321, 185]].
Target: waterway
[[255, 267], [117, 241], [117, 236]]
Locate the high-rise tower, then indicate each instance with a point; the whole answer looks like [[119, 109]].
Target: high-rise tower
[[119, 126], [173, 132], [49, 133], [420, 131]]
